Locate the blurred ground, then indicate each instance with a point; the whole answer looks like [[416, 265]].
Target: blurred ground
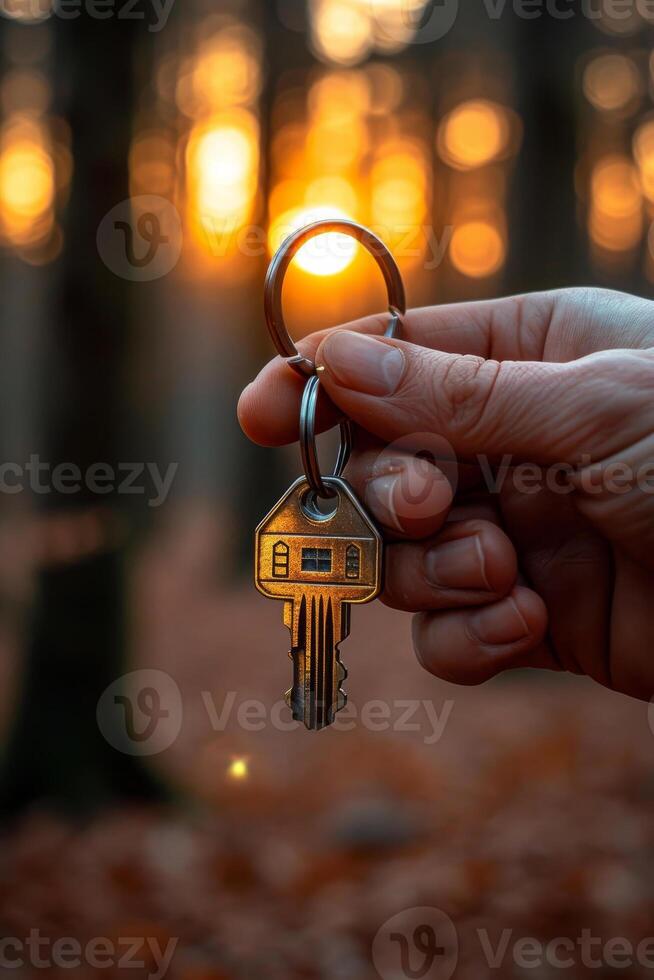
[[525, 805]]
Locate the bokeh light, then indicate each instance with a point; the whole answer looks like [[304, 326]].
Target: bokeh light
[[25, 90], [611, 82], [400, 187], [386, 89], [643, 148], [222, 161], [325, 255], [394, 23], [27, 11], [616, 213], [477, 249], [152, 164], [336, 193], [340, 95], [225, 72], [336, 143], [318, 157], [643, 141], [218, 87], [474, 134], [341, 31], [27, 182], [619, 20], [238, 770], [345, 32]]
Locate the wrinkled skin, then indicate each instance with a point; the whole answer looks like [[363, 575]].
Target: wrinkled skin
[[553, 570]]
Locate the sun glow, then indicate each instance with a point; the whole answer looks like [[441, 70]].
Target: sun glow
[[222, 166], [325, 255]]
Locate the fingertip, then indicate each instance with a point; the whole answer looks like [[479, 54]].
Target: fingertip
[[243, 413], [410, 497], [533, 611], [252, 418], [499, 557], [268, 408]]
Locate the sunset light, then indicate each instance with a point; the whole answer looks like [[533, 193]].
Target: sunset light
[[27, 184], [325, 255], [222, 171]]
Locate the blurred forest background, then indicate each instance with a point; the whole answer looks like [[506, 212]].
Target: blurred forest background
[[508, 153]]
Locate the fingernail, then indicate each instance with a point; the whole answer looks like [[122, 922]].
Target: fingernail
[[363, 363], [380, 497], [457, 565], [499, 624]]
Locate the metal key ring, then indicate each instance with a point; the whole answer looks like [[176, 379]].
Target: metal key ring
[[308, 448], [286, 347], [285, 255]]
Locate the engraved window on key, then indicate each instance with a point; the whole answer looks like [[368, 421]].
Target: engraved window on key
[[352, 562], [316, 560], [280, 560]]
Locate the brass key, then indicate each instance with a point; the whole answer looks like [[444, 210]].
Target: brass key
[[318, 564]]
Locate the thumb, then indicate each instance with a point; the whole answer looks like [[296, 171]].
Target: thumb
[[546, 412]]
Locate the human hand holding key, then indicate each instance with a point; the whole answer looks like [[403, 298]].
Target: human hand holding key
[[506, 578]]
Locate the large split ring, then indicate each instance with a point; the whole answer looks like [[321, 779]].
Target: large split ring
[[303, 365]]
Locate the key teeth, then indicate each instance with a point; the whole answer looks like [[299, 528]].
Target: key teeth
[[299, 715], [303, 712]]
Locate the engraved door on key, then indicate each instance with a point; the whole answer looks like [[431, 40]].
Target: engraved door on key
[[319, 566]]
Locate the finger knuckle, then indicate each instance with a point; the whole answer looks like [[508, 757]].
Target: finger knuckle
[[466, 388]]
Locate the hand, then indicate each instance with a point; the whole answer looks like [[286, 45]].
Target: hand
[[554, 566]]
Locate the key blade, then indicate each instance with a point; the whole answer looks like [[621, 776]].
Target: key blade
[[318, 673]]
